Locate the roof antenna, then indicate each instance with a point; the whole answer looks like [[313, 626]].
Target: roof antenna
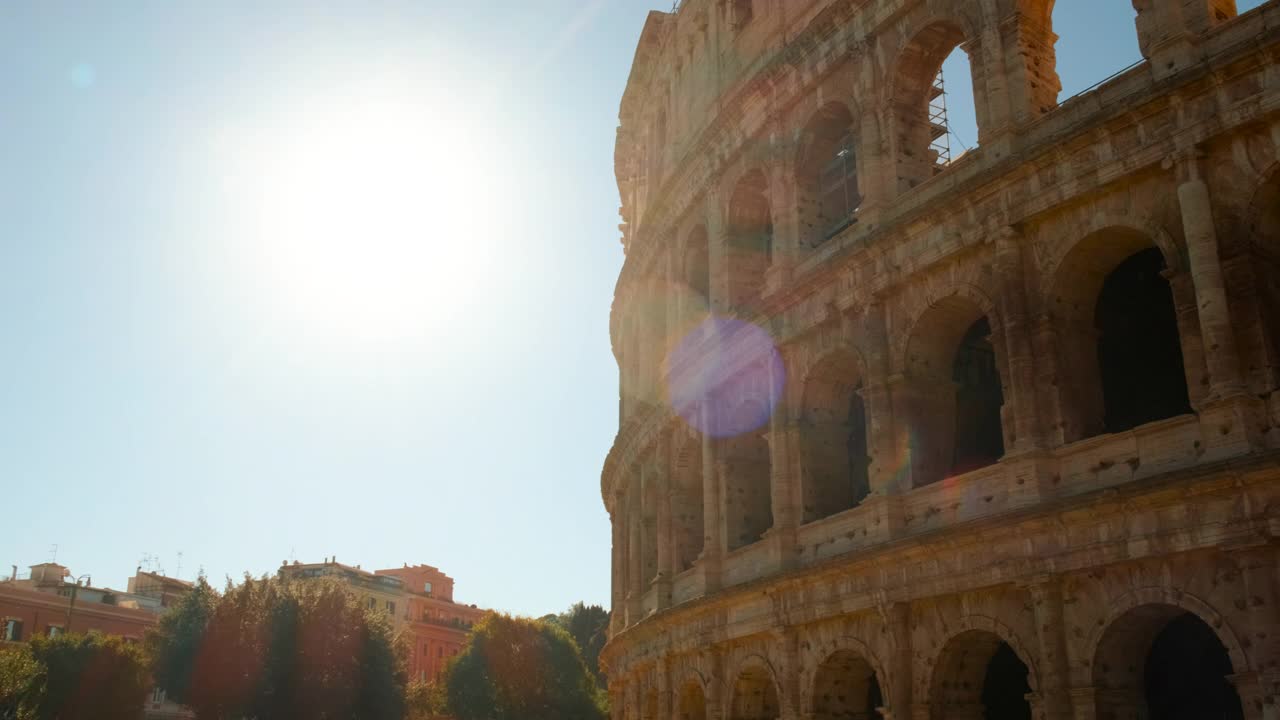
[[53, 553]]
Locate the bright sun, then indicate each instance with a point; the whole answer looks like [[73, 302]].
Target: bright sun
[[375, 215]]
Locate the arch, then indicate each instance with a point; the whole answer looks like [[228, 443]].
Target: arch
[[750, 246], [1165, 660], [913, 75], [1119, 335], [697, 264], [747, 483], [834, 444], [954, 387], [982, 670], [754, 693], [1264, 264], [691, 699], [826, 166], [686, 500], [847, 683], [1159, 595]]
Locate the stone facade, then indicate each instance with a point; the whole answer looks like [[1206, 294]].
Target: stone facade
[[996, 437]]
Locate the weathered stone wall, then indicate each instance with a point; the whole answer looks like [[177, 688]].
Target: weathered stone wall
[[1023, 420]]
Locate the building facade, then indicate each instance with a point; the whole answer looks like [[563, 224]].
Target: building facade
[[419, 601], [911, 436]]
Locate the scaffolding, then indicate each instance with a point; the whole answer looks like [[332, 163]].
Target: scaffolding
[[939, 129]]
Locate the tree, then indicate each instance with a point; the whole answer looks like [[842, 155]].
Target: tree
[[274, 648], [87, 676], [20, 679], [588, 625], [520, 669]]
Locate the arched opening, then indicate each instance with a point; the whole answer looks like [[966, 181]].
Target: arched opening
[[755, 697], [846, 688], [697, 265], [1160, 662], [1264, 296], [648, 530], [1118, 337], [833, 439], [979, 675], [1081, 31], [954, 392], [692, 704], [748, 503], [750, 250], [979, 398], [934, 106], [827, 175], [1139, 351], [686, 502]]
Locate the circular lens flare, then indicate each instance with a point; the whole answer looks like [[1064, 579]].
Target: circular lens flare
[[725, 377]]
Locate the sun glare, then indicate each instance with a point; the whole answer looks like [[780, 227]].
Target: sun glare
[[375, 215]]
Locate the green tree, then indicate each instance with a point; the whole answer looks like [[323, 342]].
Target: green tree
[[20, 681], [87, 676], [588, 625], [272, 648], [520, 669]]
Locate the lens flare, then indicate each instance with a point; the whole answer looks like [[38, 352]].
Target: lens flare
[[725, 377]]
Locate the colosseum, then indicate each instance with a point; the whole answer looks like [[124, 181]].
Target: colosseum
[[914, 434]]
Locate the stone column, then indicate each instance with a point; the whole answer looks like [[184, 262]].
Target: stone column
[[717, 253], [881, 440], [712, 530], [666, 540], [1017, 342], [617, 518], [785, 520], [788, 674], [897, 695], [1222, 356], [1188, 315], [666, 709], [717, 685], [1054, 699], [873, 181], [784, 206], [1030, 64], [635, 550]]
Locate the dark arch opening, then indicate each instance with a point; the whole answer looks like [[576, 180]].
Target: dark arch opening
[[754, 696], [979, 398], [1005, 687], [845, 688], [979, 675], [1160, 662], [750, 249], [1186, 674], [698, 265], [827, 175], [748, 487], [686, 501], [1139, 350], [692, 704], [833, 441]]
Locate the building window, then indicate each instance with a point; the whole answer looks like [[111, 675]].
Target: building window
[[426, 588], [158, 696], [373, 604], [13, 630], [54, 631], [391, 607], [439, 652]]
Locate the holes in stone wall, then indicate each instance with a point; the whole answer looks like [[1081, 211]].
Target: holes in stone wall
[[980, 676]]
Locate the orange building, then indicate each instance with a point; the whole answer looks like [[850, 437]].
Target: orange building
[[435, 626]]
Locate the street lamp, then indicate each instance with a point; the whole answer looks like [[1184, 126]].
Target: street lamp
[[72, 604]]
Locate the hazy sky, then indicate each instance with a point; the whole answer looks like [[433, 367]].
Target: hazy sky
[[295, 279]]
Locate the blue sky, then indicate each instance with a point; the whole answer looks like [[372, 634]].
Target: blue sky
[[181, 374]]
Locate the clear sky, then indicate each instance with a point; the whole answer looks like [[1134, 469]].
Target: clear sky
[[293, 279]]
